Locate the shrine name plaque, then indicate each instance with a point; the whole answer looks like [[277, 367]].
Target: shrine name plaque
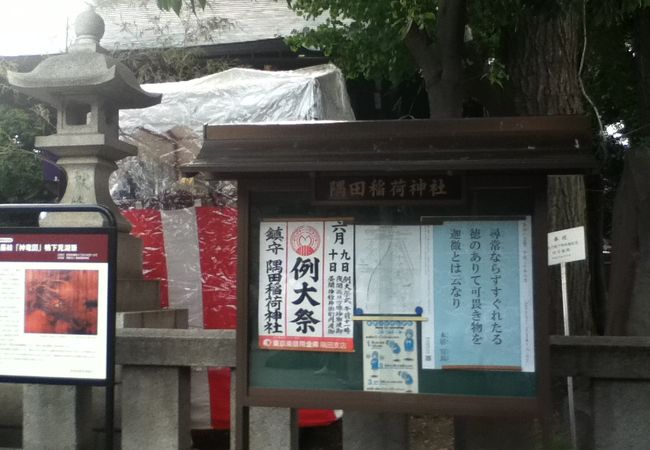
[[410, 188]]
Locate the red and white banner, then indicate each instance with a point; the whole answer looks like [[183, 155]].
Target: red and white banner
[[193, 252]]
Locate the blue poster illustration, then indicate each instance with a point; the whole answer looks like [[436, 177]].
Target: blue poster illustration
[[482, 296], [390, 356]]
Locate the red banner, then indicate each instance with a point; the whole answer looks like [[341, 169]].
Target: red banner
[[215, 229]]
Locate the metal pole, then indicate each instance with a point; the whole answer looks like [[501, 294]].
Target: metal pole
[[109, 425], [569, 380]]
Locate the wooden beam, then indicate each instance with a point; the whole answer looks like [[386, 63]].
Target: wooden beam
[[613, 357]]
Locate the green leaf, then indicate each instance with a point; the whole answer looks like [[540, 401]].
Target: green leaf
[[177, 4]]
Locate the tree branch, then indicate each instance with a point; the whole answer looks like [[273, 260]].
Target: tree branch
[[425, 55]]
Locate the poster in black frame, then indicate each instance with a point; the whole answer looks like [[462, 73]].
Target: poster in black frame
[[55, 267], [59, 300]]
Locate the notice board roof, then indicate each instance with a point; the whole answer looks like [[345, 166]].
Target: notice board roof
[[553, 144]]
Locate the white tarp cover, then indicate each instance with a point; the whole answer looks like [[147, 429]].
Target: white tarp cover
[[170, 134], [244, 96]]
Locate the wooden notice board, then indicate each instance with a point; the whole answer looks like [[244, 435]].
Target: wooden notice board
[[360, 302], [394, 265]]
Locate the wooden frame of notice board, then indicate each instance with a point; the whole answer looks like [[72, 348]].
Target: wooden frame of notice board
[[389, 184], [319, 387]]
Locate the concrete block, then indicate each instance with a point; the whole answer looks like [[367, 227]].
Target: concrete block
[[129, 257], [11, 399], [99, 442], [99, 407], [11, 437], [181, 347], [137, 319], [374, 431], [164, 318], [11, 415], [158, 412], [137, 295], [472, 433], [233, 409], [56, 417], [273, 429], [621, 414]]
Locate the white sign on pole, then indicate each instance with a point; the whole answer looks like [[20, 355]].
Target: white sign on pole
[[566, 246]]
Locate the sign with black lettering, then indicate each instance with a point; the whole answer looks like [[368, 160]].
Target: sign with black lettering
[[420, 188]]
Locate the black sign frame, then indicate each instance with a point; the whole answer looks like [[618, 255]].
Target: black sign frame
[[109, 230]]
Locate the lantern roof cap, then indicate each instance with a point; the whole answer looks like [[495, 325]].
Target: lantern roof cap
[[85, 70]]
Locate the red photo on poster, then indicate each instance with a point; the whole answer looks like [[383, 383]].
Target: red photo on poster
[[61, 301]]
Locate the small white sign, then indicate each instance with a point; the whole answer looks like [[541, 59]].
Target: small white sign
[[566, 246], [390, 356]]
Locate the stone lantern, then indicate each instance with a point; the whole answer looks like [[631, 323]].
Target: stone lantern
[[88, 88]]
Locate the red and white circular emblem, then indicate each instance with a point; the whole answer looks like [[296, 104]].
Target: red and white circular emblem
[[305, 240]]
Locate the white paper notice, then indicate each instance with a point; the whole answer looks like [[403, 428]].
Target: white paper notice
[[481, 296], [306, 287], [566, 246], [42, 334], [388, 274], [390, 356]]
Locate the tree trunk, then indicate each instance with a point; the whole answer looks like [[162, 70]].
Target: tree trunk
[[543, 63], [642, 50], [441, 60], [629, 288], [543, 66]]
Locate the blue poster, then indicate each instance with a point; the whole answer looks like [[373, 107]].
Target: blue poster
[[480, 314]]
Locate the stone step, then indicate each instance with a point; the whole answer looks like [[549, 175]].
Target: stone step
[[129, 257], [163, 318], [137, 295]]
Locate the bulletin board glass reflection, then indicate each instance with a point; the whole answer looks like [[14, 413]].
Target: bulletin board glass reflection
[[402, 299]]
